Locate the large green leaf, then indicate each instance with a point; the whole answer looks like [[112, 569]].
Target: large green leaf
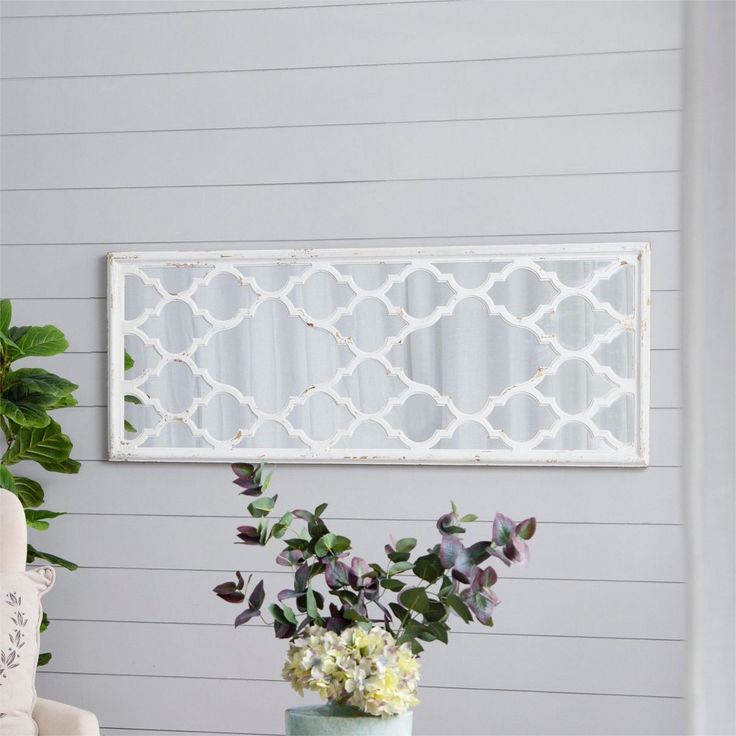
[[10, 346], [129, 362], [24, 414], [63, 402], [48, 446], [68, 466], [28, 491], [37, 382], [37, 518], [35, 554], [7, 480], [6, 314], [37, 341]]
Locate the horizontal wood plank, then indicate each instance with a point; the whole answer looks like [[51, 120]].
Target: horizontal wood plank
[[502, 88], [585, 495], [79, 271], [207, 705], [568, 145], [614, 552], [650, 668], [612, 202], [57, 8], [349, 35], [593, 609]]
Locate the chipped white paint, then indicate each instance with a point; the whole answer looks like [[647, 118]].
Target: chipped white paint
[[539, 260]]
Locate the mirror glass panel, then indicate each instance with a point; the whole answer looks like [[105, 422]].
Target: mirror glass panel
[[497, 354]]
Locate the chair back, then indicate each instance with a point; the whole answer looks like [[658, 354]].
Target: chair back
[[13, 533]]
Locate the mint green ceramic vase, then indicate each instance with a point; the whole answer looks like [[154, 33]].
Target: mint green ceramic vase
[[343, 720]]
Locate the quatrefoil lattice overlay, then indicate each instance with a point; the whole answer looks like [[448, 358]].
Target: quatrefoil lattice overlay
[[494, 354]]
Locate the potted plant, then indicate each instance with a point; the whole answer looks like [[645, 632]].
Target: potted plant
[[27, 396], [358, 650]]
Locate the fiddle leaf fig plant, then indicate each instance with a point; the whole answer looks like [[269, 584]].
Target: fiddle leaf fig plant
[[27, 396]]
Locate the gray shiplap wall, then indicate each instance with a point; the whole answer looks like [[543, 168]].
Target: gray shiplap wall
[[184, 124]]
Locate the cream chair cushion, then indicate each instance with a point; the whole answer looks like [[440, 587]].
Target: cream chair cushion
[[20, 618]]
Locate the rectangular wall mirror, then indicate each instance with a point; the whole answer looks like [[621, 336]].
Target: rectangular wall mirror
[[515, 355]]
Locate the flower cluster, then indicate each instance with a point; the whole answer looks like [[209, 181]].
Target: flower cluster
[[362, 667]]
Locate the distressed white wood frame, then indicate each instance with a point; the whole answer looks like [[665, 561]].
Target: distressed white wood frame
[[530, 257]]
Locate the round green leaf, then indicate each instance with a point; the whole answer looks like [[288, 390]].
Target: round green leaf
[[458, 605], [262, 506], [415, 599], [428, 567], [393, 584], [406, 544], [398, 567], [436, 611]]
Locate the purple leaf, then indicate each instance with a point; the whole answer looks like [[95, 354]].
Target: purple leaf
[[248, 535], [284, 630], [255, 600], [358, 570], [525, 529], [448, 524], [337, 574], [290, 557], [503, 529], [450, 549], [479, 597], [284, 595], [245, 616], [228, 592], [481, 606], [462, 575], [517, 551], [250, 488], [244, 470], [483, 579], [468, 559], [301, 578], [337, 624]]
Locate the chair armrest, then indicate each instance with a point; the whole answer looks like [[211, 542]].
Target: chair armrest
[[57, 719]]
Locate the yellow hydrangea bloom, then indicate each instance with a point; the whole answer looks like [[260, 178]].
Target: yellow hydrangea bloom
[[362, 668]]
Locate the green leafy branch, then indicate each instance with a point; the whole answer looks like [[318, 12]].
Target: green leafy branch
[[449, 578]]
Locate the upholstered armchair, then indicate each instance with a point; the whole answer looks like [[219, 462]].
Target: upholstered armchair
[[52, 718]]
